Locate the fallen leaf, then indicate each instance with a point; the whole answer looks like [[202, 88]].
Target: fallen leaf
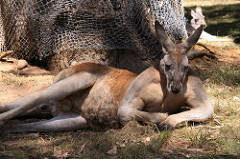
[[82, 148], [236, 98], [113, 151], [148, 139], [122, 145], [62, 156]]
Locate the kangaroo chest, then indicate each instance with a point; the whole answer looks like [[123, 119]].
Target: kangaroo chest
[[172, 102], [158, 99]]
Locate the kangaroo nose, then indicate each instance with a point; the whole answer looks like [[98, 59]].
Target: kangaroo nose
[[175, 89], [179, 38]]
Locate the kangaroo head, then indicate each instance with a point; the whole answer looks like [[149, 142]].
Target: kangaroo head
[[198, 18], [175, 61]]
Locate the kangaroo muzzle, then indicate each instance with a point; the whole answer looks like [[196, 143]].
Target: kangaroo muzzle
[[175, 87]]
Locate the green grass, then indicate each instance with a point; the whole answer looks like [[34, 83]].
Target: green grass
[[158, 142], [223, 20], [201, 139], [220, 75]]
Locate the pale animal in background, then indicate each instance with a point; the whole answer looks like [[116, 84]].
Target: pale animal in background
[[197, 20]]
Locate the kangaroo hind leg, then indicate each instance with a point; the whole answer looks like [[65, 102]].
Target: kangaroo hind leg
[[65, 122], [57, 91], [22, 101]]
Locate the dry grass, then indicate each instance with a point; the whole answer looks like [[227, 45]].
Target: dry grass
[[12, 86], [219, 138]]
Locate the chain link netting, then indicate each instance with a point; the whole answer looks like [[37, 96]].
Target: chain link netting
[[39, 28]]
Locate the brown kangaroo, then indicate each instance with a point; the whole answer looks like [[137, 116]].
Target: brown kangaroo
[[94, 95]]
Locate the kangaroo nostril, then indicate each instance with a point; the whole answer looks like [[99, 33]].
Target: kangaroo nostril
[[175, 90], [180, 38]]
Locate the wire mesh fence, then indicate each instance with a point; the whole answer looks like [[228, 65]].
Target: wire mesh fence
[[35, 29]]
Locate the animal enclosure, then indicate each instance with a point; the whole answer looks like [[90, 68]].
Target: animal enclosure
[[36, 29]]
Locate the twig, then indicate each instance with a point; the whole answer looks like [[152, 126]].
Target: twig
[[5, 53], [208, 127], [217, 121], [199, 53], [205, 47]]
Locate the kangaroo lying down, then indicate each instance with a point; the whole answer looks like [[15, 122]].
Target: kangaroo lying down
[[94, 95]]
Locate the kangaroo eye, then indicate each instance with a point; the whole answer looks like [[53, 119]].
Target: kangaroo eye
[[167, 67], [185, 67]]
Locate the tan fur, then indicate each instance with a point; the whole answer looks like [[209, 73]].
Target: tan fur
[[98, 96], [101, 105], [92, 68]]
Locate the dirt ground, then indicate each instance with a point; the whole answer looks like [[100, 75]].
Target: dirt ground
[[62, 145]]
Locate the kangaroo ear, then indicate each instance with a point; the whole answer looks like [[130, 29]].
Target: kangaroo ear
[[199, 10], [163, 37], [193, 39], [193, 14]]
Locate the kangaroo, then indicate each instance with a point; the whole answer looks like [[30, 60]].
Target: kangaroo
[[98, 96]]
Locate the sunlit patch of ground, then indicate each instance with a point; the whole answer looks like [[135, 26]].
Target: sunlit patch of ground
[[190, 3]]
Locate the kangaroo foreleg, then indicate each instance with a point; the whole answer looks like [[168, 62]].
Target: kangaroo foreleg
[[64, 122], [139, 115], [131, 110], [58, 90], [152, 117], [197, 114]]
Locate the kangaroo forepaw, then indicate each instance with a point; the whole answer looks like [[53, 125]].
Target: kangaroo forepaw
[[164, 127]]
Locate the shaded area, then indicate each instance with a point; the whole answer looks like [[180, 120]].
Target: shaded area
[[93, 144], [222, 20], [37, 29]]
